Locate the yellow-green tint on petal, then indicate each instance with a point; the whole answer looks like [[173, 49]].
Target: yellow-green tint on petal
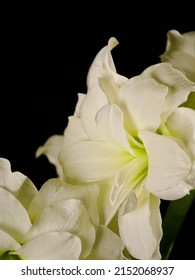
[[51, 246], [168, 166], [88, 161], [7, 243], [129, 177], [110, 124]]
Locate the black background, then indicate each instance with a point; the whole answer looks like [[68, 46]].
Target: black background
[[46, 52]]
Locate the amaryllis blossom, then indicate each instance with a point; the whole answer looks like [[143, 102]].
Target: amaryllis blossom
[[60, 221], [180, 51], [132, 138]]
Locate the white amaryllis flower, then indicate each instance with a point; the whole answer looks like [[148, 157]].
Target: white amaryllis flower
[[57, 222], [132, 138], [180, 51]]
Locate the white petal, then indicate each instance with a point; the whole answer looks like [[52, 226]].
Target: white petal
[[103, 65], [51, 246], [178, 85], [7, 243], [108, 245], [94, 101], [110, 124], [88, 161], [180, 51], [137, 98], [181, 125], [51, 150], [55, 190], [139, 230], [81, 98], [131, 175], [168, 166], [68, 215], [16, 183], [14, 218], [73, 133]]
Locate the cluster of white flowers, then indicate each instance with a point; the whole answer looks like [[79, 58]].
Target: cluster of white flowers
[[129, 144]]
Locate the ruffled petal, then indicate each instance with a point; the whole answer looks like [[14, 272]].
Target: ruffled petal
[[181, 125], [16, 183], [178, 85], [140, 225], [14, 219], [55, 190], [180, 51], [68, 215], [51, 246], [168, 166]]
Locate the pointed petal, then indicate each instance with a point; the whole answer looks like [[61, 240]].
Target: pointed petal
[[81, 98], [14, 219], [103, 65], [136, 222], [51, 150], [168, 166], [51, 246], [7, 243], [103, 248]]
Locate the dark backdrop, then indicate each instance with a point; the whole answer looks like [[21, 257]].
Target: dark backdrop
[[46, 54]]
